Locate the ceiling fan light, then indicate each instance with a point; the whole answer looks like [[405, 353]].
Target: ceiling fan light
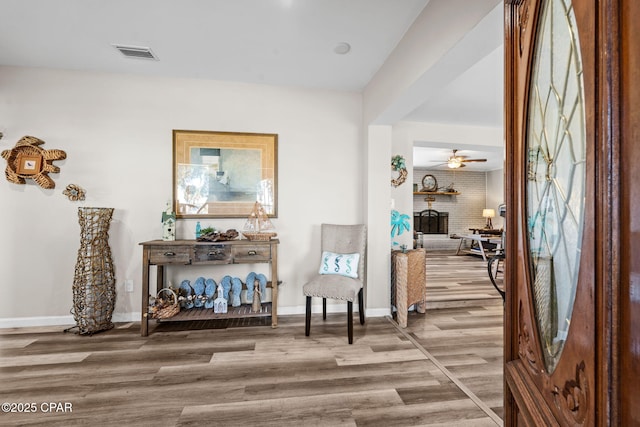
[[454, 163]]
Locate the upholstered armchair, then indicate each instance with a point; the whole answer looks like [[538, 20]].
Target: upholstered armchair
[[342, 272]]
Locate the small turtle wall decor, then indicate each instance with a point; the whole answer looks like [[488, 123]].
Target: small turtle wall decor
[[27, 160]]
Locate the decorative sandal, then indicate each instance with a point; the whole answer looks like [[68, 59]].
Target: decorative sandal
[[185, 294], [210, 292], [236, 290], [251, 279], [226, 286], [198, 288]]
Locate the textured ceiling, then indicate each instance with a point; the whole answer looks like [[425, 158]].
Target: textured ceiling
[[280, 42], [276, 42]]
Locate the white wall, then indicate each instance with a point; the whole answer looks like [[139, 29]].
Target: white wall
[[116, 131], [402, 195], [378, 213], [495, 195]]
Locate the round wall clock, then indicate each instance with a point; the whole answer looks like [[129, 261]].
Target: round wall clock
[[429, 183]]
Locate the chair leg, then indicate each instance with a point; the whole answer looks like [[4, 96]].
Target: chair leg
[[350, 321], [361, 306], [495, 259], [307, 323], [324, 309]]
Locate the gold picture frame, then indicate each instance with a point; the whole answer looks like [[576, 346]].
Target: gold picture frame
[[29, 164], [223, 174]]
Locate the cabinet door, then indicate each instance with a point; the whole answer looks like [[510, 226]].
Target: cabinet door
[[550, 322]]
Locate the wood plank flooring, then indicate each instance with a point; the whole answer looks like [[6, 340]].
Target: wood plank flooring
[[455, 280], [444, 369]]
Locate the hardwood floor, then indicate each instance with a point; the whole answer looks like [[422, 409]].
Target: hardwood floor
[[444, 369], [455, 280]]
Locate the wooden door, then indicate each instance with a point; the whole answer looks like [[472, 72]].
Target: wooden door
[[572, 323]]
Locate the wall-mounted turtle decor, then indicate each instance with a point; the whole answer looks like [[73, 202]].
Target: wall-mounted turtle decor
[[27, 160]]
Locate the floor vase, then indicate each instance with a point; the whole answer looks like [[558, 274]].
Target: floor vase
[[94, 291]]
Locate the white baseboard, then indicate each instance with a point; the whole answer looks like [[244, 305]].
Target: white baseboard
[[26, 322], [378, 312]]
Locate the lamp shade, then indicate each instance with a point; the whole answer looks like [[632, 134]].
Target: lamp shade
[[488, 213]]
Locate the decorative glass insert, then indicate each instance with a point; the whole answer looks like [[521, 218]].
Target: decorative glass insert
[[555, 190]]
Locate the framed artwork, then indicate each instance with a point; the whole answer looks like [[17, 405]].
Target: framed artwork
[[223, 174], [29, 164]]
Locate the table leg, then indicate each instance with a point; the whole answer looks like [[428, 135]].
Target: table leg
[[484, 256], [144, 321], [274, 285], [159, 278], [402, 266]]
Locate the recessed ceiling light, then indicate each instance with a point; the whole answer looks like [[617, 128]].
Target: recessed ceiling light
[[342, 48]]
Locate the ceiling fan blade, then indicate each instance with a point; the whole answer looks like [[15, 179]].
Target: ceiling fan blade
[[473, 160]]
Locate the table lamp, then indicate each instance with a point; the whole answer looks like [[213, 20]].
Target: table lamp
[[488, 213]]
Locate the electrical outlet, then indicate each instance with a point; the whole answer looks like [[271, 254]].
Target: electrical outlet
[[128, 285]]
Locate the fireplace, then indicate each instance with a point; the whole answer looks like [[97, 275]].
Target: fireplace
[[430, 221]]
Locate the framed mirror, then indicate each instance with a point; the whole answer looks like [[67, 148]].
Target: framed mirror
[[223, 174]]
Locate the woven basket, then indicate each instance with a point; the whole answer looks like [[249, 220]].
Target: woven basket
[[259, 236], [167, 307]]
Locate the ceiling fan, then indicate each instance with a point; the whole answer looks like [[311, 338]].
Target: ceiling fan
[[455, 161]]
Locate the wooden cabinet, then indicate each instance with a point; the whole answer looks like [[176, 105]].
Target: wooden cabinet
[[163, 254]]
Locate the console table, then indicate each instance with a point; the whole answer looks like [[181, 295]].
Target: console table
[[191, 252]]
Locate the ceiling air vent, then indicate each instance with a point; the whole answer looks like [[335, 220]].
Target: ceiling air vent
[[136, 52]]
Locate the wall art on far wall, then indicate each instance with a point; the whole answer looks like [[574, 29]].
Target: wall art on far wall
[[223, 174]]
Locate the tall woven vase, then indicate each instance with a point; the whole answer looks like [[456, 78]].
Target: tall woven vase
[[94, 290]]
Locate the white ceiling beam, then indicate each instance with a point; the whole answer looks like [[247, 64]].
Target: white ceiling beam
[[440, 46]]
